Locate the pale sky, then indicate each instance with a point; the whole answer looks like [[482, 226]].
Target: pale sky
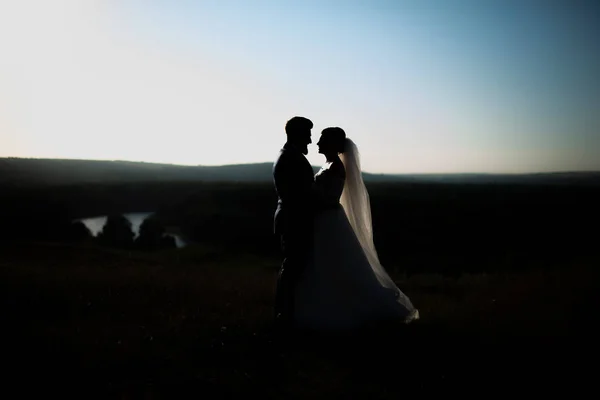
[[421, 86]]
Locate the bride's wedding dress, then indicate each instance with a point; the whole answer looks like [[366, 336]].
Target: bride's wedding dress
[[344, 285]]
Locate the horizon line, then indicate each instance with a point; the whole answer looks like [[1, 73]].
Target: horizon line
[[314, 166]]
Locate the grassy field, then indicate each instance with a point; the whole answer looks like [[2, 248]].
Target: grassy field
[[99, 323]]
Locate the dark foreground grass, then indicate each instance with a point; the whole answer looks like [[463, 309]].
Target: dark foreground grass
[[97, 323]]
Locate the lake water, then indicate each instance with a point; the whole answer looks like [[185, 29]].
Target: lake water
[[96, 224]]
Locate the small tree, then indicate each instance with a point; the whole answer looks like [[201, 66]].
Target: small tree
[[153, 236], [78, 231], [150, 234], [117, 232], [168, 242]]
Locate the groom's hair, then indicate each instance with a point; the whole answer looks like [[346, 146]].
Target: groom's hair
[[297, 124]]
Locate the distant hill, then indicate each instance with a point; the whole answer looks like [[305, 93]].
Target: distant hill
[[30, 171]]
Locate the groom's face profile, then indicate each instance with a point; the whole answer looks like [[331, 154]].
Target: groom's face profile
[[298, 131], [302, 140]]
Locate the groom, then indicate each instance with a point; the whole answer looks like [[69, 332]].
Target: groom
[[293, 178]]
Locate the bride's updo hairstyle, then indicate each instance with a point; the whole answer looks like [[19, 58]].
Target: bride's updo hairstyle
[[337, 137]]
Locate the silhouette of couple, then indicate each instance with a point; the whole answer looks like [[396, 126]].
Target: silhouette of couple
[[331, 277]]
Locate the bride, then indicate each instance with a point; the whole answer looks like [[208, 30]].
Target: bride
[[344, 285]]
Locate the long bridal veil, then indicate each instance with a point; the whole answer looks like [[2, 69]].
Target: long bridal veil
[[356, 204]]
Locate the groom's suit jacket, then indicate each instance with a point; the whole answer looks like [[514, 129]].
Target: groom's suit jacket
[[293, 177]]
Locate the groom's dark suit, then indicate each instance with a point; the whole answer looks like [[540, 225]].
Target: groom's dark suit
[[293, 222]]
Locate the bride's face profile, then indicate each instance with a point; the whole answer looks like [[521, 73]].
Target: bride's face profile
[[331, 142], [326, 146]]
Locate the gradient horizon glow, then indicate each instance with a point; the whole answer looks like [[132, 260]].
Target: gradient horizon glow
[[420, 86]]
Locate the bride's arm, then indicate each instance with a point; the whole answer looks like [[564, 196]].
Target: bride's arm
[[326, 190], [317, 193]]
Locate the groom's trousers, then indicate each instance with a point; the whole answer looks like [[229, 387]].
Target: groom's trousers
[[296, 239]]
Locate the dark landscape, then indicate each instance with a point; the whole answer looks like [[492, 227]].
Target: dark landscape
[[504, 270]]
